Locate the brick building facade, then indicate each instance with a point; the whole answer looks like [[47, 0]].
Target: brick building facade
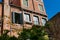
[[54, 29], [16, 14]]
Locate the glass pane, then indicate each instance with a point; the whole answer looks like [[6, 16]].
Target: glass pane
[[25, 2], [43, 22], [17, 16], [40, 7], [26, 17], [35, 20]]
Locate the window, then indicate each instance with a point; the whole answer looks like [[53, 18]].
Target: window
[[25, 2], [16, 17], [36, 20], [40, 7], [43, 22], [27, 17]]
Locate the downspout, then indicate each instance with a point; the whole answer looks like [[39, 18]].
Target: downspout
[[2, 17]]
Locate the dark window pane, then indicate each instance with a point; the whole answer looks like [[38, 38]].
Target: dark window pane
[[15, 18]]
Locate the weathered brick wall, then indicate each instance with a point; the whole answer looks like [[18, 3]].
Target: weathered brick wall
[[8, 15], [0, 16], [55, 27]]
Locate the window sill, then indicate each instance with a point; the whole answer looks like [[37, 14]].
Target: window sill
[[37, 24], [28, 22]]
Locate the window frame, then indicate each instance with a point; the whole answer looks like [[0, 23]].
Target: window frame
[[44, 21], [25, 5], [40, 7], [14, 18], [37, 20], [29, 17]]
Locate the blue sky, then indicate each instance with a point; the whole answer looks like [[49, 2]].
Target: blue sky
[[52, 7], [0, 0]]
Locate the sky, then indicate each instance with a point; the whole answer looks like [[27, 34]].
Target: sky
[[52, 7], [0, 0]]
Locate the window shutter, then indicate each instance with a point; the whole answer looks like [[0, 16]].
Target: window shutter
[[13, 17], [17, 18], [21, 18]]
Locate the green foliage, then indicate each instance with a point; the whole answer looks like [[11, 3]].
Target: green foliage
[[6, 37], [12, 38], [36, 33]]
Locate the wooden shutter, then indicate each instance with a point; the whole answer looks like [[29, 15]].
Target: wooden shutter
[[21, 18], [13, 17], [17, 18]]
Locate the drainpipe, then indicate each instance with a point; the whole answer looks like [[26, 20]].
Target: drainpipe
[[2, 17]]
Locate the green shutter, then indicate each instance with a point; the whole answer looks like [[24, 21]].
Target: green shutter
[[13, 17]]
